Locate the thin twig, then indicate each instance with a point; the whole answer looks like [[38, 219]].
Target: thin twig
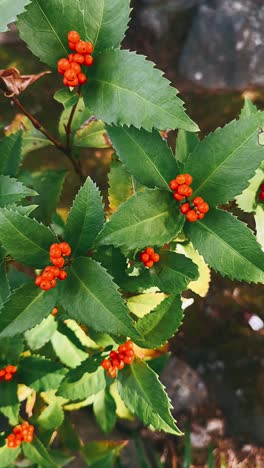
[[68, 128]]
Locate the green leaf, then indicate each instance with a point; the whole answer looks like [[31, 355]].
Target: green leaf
[[143, 99], [248, 109], [247, 199], [11, 191], [259, 220], [91, 134], [145, 155], [4, 283], [201, 285], [143, 304], [25, 308], [8, 393], [52, 416], [144, 395], [9, 12], [148, 218], [84, 381], [162, 323], [120, 185], [10, 349], [104, 408], [42, 333], [25, 239], [91, 297], [10, 154], [37, 453], [185, 144], [66, 97], [228, 246], [40, 374], [85, 219], [8, 456], [11, 413], [225, 160], [174, 272], [32, 139], [102, 454], [67, 352], [81, 116]]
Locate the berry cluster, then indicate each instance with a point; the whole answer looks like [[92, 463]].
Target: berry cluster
[[196, 210], [48, 278], [7, 373], [261, 193], [118, 359], [70, 67], [181, 186], [22, 433], [149, 257]]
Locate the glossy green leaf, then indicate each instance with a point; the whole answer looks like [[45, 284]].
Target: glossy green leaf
[[162, 323], [52, 416], [248, 109], [91, 134], [46, 23], [85, 219], [42, 333], [228, 246], [66, 97], [185, 144], [143, 304], [11, 191], [37, 453], [90, 296], [225, 160], [104, 408], [32, 139], [25, 239], [8, 456], [120, 185], [40, 374], [143, 99], [174, 272], [10, 154], [8, 393], [11, 413], [84, 381], [145, 155], [201, 285], [148, 218], [4, 283], [144, 395], [10, 349], [247, 200], [67, 352]]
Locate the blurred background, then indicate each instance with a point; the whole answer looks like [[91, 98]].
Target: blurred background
[[213, 53]]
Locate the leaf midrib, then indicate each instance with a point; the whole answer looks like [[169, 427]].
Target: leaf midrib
[[51, 27]]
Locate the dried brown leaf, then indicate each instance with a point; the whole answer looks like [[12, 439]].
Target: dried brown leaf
[[13, 83]]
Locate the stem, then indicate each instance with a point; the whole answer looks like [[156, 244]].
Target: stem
[[68, 128]]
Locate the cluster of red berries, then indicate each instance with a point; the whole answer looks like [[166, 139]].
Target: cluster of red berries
[[70, 67], [261, 193], [181, 186], [48, 278], [149, 257], [196, 210], [118, 359], [7, 373], [22, 433]]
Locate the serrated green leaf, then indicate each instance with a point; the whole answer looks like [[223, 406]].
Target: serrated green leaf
[[162, 323], [91, 134], [148, 218], [259, 220], [185, 144], [25, 308], [4, 283], [225, 160], [10, 154], [84, 381], [104, 408], [10, 349], [17, 278], [91, 297], [9, 12], [144, 395], [144, 303], [8, 393], [42, 333], [52, 416], [32, 139], [11, 413], [174, 272], [66, 97], [248, 109], [113, 261], [201, 285], [40, 374], [67, 352], [145, 155], [37, 453], [11, 191], [23, 210], [102, 453], [120, 185], [247, 199], [228, 246], [85, 219], [143, 99], [8, 456], [25, 239]]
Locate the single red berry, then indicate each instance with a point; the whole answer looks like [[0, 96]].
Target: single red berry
[[65, 248], [11, 369], [19, 437], [189, 192], [183, 189], [155, 257], [8, 376], [129, 344], [70, 75], [144, 257], [72, 46], [11, 443], [82, 78], [130, 352], [89, 47], [2, 373], [180, 179], [88, 60], [71, 57], [59, 262], [115, 362], [113, 355], [74, 83], [54, 311], [11, 437], [149, 264], [63, 64], [73, 36], [120, 365], [55, 252], [261, 196], [112, 372], [55, 270], [28, 438], [122, 348], [76, 68], [203, 207], [201, 216], [63, 275], [17, 429], [149, 251], [262, 187], [53, 283], [48, 268], [191, 216], [31, 429], [66, 82], [81, 47], [78, 58], [106, 364], [38, 280], [173, 185], [185, 207], [188, 179], [45, 285], [128, 359], [47, 275], [178, 197], [198, 200]]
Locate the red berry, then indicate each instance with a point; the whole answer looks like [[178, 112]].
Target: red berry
[[63, 275], [8, 376], [112, 372], [178, 197], [65, 248], [149, 264], [53, 283], [89, 47], [28, 438], [55, 270], [173, 185], [198, 200], [191, 216], [55, 250], [78, 58], [120, 364], [17, 429], [130, 352], [261, 196], [74, 83], [180, 179], [63, 64], [72, 46], [38, 280], [88, 60], [11, 369], [149, 251], [81, 47], [155, 257], [82, 78], [47, 275], [76, 68], [122, 348], [129, 344], [24, 425], [54, 311], [128, 359], [61, 72], [59, 262], [45, 285], [203, 207], [201, 216], [106, 364], [115, 362], [185, 208], [262, 187], [113, 355], [70, 75], [144, 257], [188, 179], [71, 57], [73, 36], [2, 373], [183, 189], [189, 192], [66, 82]]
